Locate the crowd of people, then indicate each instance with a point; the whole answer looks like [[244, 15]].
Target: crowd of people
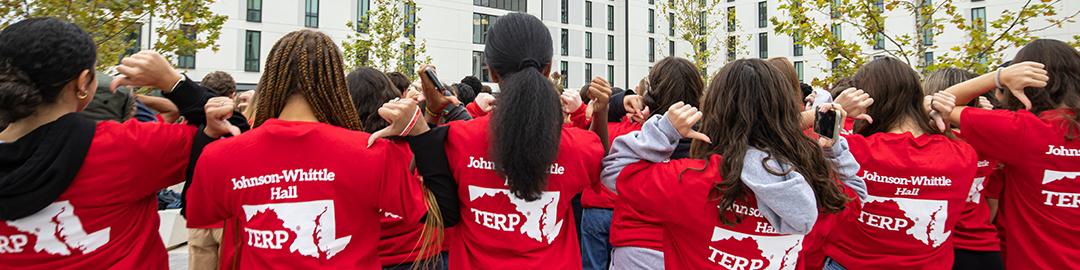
[[321, 167]]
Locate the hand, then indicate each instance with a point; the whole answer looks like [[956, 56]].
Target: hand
[[218, 110], [570, 100], [809, 100], [985, 104], [436, 101], [599, 91], [146, 68], [856, 101], [485, 101], [826, 142], [942, 104], [454, 100], [401, 114], [412, 93], [635, 108], [1017, 77], [243, 100], [683, 117]]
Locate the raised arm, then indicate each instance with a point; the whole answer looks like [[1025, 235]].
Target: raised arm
[[655, 142], [1015, 78]]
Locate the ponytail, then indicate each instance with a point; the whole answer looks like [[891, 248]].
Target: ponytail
[[526, 126], [18, 95]]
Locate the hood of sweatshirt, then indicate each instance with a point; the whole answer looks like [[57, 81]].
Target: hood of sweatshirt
[[37, 168]]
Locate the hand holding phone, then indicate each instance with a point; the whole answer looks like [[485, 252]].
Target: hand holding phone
[[828, 122], [435, 80]]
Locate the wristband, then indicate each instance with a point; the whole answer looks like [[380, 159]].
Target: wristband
[[412, 123], [997, 79]]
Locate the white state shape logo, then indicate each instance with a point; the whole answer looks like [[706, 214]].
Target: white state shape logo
[[782, 251], [541, 216], [975, 194], [1050, 176], [308, 220], [928, 218], [59, 230]]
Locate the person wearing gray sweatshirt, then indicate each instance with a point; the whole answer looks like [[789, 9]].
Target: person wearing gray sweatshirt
[[786, 201]]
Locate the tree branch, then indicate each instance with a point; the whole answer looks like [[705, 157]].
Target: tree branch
[[1003, 33]]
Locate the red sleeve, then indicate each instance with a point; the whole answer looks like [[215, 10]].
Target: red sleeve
[[206, 201], [646, 187], [998, 134], [994, 184], [400, 191], [579, 119], [159, 153], [474, 110]]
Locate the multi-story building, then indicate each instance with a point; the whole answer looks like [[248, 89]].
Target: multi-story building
[[615, 39]]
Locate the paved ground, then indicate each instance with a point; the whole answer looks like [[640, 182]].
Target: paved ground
[[178, 258]]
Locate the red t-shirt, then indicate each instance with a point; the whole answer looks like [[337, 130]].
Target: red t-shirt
[[693, 235], [288, 183], [501, 231], [599, 196], [400, 239], [108, 217], [917, 187], [974, 230], [1042, 188]]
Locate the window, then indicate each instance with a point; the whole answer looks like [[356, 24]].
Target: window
[[834, 9], [611, 18], [362, 15], [879, 41], [252, 42], [671, 47], [480, 25], [763, 45], [311, 13], [731, 48], [479, 69], [799, 69], [610, 47], [254, 10], [588, 45], [565, 12], [135, 39], [186, 57], [611, 74], [796, 49], [652, 50], [671, 24], [837, 31], [652, 2], [652, 21], [410, 21], [565, 73], [511, 5], [730, 19], [924, 23], [928, 36], [928, 58], [762, 14], [565, 40], [588, 13], [588, 72], [978, 18]]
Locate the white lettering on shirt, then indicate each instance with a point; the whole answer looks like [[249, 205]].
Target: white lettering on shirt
[[507, 222], [1061, 151], [918, 180], [287, 176], [779, 251], [278, 193], [884, 222], [926, 217], [12, 243], [539, 218], [482, 164], [266, 239], [733, 262], [313, 222], [1062, 199]]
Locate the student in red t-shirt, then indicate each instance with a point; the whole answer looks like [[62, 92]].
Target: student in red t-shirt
[[635, 240], [975, 238], [917, 178], [516, 170], [1037, 143], [747, 200], [75, 194], [312, 194]]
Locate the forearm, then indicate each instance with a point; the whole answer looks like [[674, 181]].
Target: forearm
[[190, 98], [968, 90], [847, 167], [599, 124], [655, 142]]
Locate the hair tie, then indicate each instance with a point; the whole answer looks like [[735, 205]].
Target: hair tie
[[529, 62]]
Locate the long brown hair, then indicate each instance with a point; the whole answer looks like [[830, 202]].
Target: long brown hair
[[788, 69], [749, 104], [306, 63], [1062, 64], [942, 79], [673, 80], [897, 93]]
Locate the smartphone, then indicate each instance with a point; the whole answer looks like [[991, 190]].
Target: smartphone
[[828, 124], [435, 80]]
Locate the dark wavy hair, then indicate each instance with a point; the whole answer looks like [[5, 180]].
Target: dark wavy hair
[[400, 82], [749, 104], [897, 93], [220, 82], [1062, 64], [369, 90], [38, 57], [673, 80], [527, 125]]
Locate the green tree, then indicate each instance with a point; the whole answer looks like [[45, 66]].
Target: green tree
[[181, 26], [811, 27], [693, 25], [385, 38]]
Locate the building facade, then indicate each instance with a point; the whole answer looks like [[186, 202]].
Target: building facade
[[615, 39]]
